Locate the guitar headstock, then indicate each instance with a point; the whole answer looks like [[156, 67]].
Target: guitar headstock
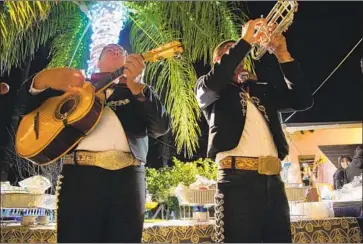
[[171, 49]]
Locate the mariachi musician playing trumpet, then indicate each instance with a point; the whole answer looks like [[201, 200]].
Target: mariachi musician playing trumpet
[[102, 190], [246, 139]]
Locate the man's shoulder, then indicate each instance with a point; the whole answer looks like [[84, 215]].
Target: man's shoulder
[[199, 83], [200, 79]]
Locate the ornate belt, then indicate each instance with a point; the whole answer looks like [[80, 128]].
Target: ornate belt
[[111, 160], [264, 165]]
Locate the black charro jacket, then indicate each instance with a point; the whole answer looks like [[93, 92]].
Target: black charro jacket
[[224, 108], [139, 119], [340, 179]]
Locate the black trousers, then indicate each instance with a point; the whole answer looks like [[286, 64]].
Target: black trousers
[[98, 205], [251, 208]]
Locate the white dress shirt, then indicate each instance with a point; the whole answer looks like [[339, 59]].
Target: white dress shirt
[[107, 135], [256, 139]]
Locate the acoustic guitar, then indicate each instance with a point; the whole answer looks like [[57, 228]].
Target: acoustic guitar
[[60, 123]]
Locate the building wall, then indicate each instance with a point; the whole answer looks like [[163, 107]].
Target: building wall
[[307, 144]]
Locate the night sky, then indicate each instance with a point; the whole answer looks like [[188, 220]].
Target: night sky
[[321, 36]]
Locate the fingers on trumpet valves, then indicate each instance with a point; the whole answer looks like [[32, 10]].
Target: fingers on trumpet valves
[[260, 22], [261, 26], [271, 27], [264, 32]]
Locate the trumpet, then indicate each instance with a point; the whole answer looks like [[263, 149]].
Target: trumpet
[[281, 16]]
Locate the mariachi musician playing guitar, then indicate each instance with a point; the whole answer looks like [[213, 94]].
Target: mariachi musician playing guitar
[[101, 192]]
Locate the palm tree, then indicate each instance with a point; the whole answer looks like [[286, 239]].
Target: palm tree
[[200, 26]]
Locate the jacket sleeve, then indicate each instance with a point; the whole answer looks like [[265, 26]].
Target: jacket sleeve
[[157, 118], [358, 157], [356, 166], [338, 180], [209, 85], [27, 102], [295, 95]]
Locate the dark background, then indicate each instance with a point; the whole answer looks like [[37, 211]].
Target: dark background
[[321, 36]]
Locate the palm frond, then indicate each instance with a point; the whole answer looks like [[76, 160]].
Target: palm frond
[[175, 77], [180, 100], [183, 107], [201, 26], [20, 15], [21, 43], [71, 47]]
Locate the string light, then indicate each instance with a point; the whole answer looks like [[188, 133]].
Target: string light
[[108, 19]]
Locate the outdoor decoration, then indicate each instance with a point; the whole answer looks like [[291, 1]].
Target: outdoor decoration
[[107, 20]]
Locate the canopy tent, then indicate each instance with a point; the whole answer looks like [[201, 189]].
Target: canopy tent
[[293, 127], [333, 152]]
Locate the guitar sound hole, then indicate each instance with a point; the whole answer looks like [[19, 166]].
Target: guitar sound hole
[[67, 106]]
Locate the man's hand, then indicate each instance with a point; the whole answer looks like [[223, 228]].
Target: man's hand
[[133, 68], [279, 48], [62, 79], [248, 30]]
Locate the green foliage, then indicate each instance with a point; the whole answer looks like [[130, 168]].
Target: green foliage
[[72, 41], [161, 183], [39, 22], [186, 173], [176, 77], [200, 26], [17, 16]]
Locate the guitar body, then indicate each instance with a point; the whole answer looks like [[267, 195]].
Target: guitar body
[[53, 129]]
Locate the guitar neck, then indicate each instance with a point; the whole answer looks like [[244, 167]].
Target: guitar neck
[[168, 50], [104, 82]]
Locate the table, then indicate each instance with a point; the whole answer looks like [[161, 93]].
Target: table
[[347, 208], [334, 230]]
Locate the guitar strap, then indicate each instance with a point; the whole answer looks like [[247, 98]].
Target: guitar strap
[[75, 158]]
